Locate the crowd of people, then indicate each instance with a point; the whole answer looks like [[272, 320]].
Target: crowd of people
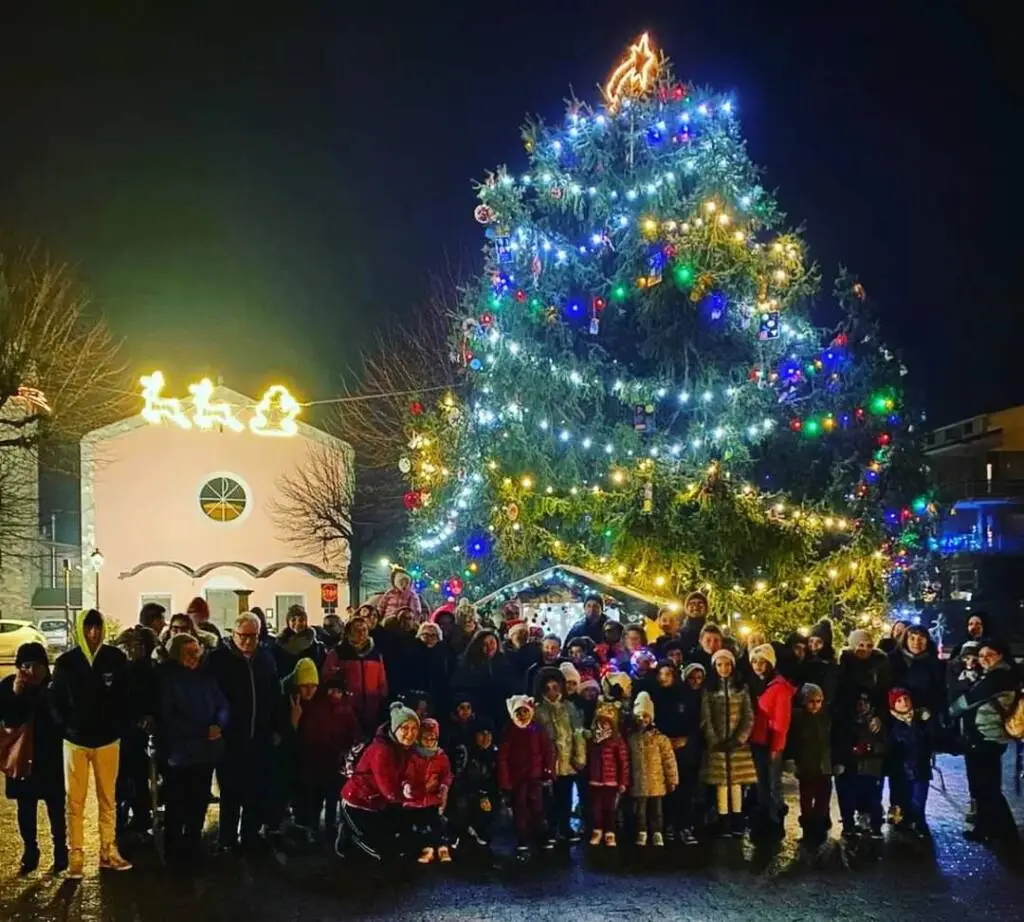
[[395, 732]]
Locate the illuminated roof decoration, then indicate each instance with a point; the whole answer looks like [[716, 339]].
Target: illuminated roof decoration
[[635, 74]]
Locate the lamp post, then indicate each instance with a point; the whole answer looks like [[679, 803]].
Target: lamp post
[[97, 563]]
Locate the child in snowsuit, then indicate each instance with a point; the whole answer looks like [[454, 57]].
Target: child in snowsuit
[[428, 778], [564, 726], [860, 743], [811, 738], [475, 793], [526, 762], [654, 771], [607, 772], [910, 760]]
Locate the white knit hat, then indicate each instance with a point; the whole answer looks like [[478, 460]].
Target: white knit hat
[[643, 705], [765, 651], [724, 653], [570, 672], [859, 636]]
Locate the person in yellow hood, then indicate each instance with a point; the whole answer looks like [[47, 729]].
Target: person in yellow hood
[[90, 704]]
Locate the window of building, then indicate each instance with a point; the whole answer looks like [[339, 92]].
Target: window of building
[[161, 598], [283, 602], [223, 499]]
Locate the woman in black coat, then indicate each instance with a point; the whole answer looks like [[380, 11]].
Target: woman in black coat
[[25, 699], [486, 677]]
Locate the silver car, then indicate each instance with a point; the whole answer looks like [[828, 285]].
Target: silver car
[[55, 630]]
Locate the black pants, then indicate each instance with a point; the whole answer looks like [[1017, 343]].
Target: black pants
[[380, 834], [680, 806], [186, 797], [134, 799], [984, 764], [311, 802], [28, 823], [560, 805], [246, 793]]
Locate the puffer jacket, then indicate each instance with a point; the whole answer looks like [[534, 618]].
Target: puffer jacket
[[395, 599], [608, 762], [428, 777], [811, 743], [191, 702], [728, 759], [361, 673], [773, 714], [911, 744], [377, 781], [653, 763], [981, 707], [524, 754], [564, 726]]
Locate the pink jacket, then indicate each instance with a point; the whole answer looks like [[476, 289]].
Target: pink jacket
[[395, 599], [772, 715]]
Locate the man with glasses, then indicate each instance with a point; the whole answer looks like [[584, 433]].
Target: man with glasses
[[983, 708], [245, 672]]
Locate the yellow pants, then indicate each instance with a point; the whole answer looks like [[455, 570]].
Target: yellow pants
[[77, 761]]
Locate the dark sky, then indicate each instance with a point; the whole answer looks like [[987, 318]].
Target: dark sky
[[248, 191]]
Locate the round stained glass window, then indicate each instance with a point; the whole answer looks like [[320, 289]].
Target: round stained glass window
[[222, 499]]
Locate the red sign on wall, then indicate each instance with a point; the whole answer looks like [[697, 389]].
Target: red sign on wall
[[328, 595]]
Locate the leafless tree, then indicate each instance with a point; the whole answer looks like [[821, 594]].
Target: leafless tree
[[360, 502], [61, 373]]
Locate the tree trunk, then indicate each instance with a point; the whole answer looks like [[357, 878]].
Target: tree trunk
[[355, 574]]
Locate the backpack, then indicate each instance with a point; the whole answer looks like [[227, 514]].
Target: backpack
[[1012, 716]]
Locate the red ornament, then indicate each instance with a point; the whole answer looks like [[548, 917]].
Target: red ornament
[[884, 439], [754, 374], [520, 295], [598, 304], [859, 412], [416, 408], [795, 425], [484, 214], [412, 500], [841, 340], [486, 320]]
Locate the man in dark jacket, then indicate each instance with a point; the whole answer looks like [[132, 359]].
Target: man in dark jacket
[[591, 624], [695, 611], [90, 698], [246, 675], [982, 708]]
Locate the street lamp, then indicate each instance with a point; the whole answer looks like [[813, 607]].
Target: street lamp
[[97, 562]]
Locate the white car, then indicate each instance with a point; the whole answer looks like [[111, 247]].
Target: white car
[[13, 634], [55, 630]]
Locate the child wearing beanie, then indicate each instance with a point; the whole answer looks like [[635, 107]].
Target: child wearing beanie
[[526, 761], [909, 763], [811, 737], [654, 771], [427, 780], [563, 724], [607, 772], [727, 719]]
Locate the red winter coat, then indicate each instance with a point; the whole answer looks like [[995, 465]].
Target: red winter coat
[[524, 754], [362, 675], [328, 728], [426, 775], [608, 763], [377, 781], [772, 714]]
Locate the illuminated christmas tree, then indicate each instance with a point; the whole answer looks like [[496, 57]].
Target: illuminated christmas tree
[[644, 393]]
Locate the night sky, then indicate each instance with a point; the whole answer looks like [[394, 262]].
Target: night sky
[[247, 192]]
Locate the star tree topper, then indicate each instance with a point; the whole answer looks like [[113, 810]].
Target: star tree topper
[[635, 74]]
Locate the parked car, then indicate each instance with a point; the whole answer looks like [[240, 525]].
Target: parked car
[[13, 634], [55, 630]]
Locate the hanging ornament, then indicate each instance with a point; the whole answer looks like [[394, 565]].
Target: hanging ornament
[[484, 214], [714, 305], [404, 465], [412, 500], [454, 414], [648, 503], [556, 192], [535, 268], [416, 408], [520, 295], [769, 328], [418, 440], [551, 315], [701, 286], [858, 291], [754, 374], [597, 305], [503, 249], [486, 321], [643, 418], [512, 512]]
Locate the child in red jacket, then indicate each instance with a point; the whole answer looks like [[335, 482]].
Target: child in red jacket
[[773, 713], [427, 780], [526, 762], [607, 771]]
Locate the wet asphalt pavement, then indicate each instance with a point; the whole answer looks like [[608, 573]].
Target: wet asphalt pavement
[[944, 878]]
